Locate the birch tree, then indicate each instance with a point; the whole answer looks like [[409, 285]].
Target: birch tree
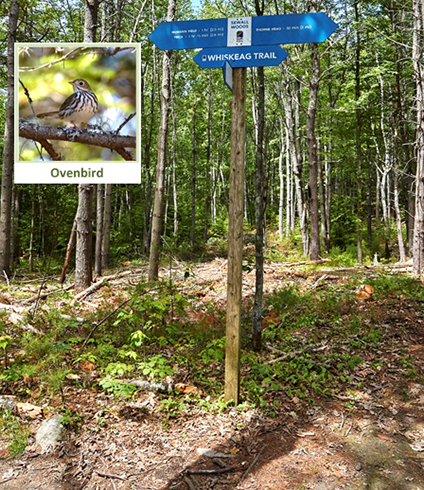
[[417, 53]]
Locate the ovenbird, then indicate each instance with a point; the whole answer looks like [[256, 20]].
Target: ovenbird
[[79, 107]]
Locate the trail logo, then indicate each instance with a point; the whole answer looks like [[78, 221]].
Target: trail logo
[[239, 31]]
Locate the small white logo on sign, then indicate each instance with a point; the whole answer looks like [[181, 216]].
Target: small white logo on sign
[[239, 31]]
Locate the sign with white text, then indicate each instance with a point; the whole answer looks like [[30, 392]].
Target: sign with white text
[[313, 27], [241, 57]]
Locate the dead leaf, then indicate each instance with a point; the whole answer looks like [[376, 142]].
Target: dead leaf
[[364, 291], [384, 437], [182, 388], [29, 410], [87, 366]]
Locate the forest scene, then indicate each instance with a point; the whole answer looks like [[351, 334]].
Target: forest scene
[[250, 316]]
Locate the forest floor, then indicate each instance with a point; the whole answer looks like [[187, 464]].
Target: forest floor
[[369, 434]]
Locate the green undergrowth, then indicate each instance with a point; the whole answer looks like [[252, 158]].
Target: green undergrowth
[[13, 434], [315, 340]]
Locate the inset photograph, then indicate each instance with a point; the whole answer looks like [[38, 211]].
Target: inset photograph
[[76, 102]]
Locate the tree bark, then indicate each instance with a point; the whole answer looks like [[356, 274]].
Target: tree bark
[[99, 231], [83, 258], [7, 169], [107, 223], [90, 20], [295, 160], [193, 177], [69, 248], [83, 273], [155, 245], [260, 207], [358, 139], [312, 154], [417, 52]]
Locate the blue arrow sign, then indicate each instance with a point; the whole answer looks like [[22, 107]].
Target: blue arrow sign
[[244, 31], [244, 56]]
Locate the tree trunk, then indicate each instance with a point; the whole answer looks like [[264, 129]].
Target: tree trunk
[[174, 173], [260, 207], [83, 273], [209, 180], [99, 231], [312, 154], [7, 169], [155, 245], [358, 139], [107, 223], [69, 248], [295, 161], [417, 52], [193, 177], [281, 180], [90, 20]]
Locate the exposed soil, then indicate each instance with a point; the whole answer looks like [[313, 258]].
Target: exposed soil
[[371, 437]]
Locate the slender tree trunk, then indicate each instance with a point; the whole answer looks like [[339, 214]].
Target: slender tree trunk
[[369, 197], [99, 231], [396, 139], [358, 140], [31, 237], [193, 177], [209, 180], [295, 160], [83, 262], [15, 242], [83, 274], [281, 193], [174, 173], [417, 52], [7, 169], [69, 248], [260, 207], [107, 223], [312, 154], [155, 245]]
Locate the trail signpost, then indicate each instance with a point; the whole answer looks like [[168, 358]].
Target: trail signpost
[[234, 44], [244, 31]]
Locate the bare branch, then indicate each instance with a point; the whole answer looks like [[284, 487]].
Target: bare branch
[[105, 140]]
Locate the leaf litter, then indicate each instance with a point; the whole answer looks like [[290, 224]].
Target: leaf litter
[[369, 433]]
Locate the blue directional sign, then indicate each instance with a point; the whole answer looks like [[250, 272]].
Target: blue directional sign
[[244, 31], [244, 56]]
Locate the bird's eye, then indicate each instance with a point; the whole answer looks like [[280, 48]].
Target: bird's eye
[[81, 83]]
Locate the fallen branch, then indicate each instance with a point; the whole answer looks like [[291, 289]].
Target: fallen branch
[[160, 387], [16, 309], [102, 321], [293, 353], [48, 293], [88, 291], [304, 262], [106, 475], [227, 469], [252, 464]]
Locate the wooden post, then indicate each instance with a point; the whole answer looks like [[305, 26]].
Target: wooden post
[[235, 236]]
